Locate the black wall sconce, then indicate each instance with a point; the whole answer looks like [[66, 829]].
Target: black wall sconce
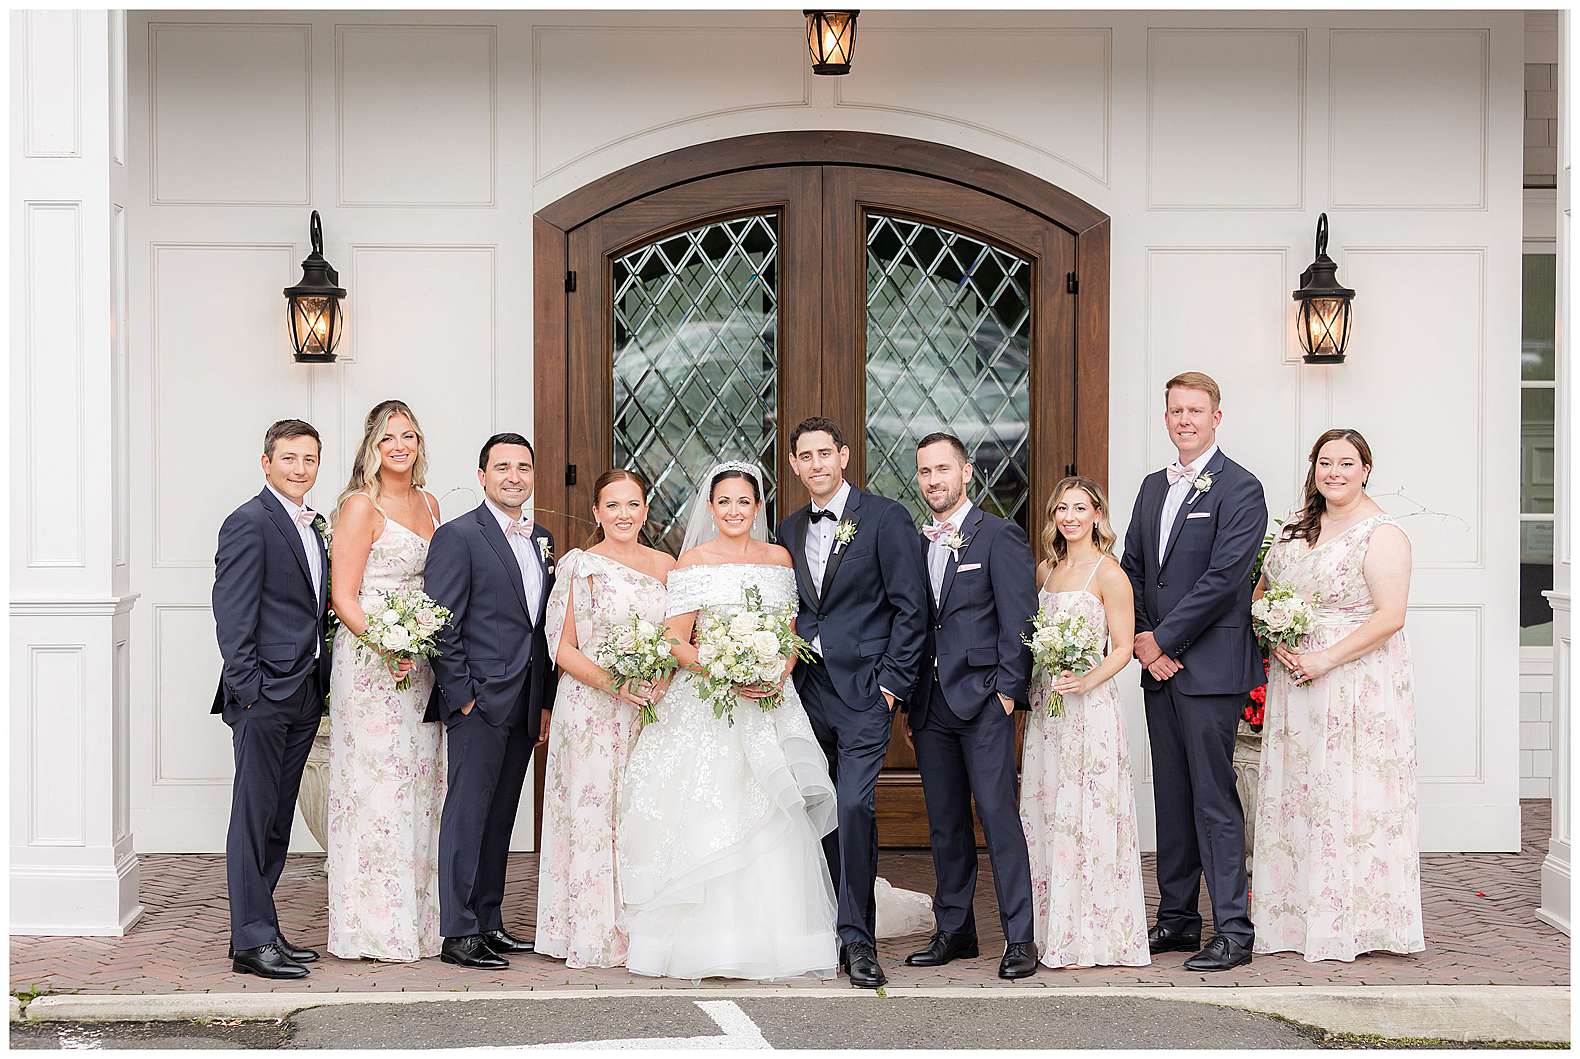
[[313, 307], [831, 37], [1323, 318]]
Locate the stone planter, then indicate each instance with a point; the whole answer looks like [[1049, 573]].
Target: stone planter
[[313, 799], [1247, 774]]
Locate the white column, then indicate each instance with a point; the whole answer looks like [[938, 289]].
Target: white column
[[72, 866], [1555, 869]]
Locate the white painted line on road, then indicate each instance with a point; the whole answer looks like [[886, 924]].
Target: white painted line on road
[[740, 1033]]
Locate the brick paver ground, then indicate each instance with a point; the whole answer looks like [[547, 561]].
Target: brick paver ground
[[1481, 929]]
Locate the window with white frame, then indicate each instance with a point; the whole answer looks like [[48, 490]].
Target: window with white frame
[[1538, 417]]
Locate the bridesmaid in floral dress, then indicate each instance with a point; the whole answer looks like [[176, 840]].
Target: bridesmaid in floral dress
[[580, 916], [1077, 803], [386, 767], [1337, 853]]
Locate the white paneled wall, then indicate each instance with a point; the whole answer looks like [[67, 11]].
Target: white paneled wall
[[428, 140]]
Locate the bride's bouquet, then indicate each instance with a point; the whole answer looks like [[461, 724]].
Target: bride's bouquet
[[1062, 641], [404, 623], [1281, 617], [747, 649], [636, 653]]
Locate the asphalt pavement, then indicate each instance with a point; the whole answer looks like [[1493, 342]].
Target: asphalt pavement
[[685, 1023]]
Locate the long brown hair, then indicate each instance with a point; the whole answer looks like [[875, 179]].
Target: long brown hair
[[1054, 546], [365, 468], [605, 480], [1308, 526]]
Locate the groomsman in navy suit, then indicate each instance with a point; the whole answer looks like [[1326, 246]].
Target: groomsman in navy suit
[[1192, 539], [864, 610], [270, 604], [494, 686], [984, 594]]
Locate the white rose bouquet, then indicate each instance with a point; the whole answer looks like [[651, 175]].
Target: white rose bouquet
[[1281, 618], [1059, 642], [636, 653], [404, 624], [747, 650]]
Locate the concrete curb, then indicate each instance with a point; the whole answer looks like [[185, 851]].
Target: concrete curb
[[1454, 1013]]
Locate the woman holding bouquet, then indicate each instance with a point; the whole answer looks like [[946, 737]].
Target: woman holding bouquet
[[1337, 855], [386, 767], [608, 601], [1077, 803], [722, 814]]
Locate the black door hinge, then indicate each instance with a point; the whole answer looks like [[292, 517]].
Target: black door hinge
[[1069, 470], [570, 474], [1071, 284], [570, 281]]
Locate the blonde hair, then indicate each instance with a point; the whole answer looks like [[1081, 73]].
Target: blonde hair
[[1195, 380], [365, 468], [1054, 547]]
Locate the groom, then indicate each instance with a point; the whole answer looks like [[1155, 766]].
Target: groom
[[270, 602], [1192, 539], [493, 688], [858, 570], [984, 592]]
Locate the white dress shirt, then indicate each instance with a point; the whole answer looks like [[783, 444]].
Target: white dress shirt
[[938, 554], [1176, 496], [309, 536], [820, 544], [522, 546]]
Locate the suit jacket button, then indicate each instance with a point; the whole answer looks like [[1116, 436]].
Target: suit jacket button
[[820, 617]]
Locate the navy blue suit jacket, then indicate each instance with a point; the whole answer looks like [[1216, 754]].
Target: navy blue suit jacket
[[267, 617], [871, 607], [491, 652], [974, 636], [1195, 599]]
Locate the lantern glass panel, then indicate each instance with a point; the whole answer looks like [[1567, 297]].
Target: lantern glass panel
[[1324, 325], [315, 324], [831, 37]]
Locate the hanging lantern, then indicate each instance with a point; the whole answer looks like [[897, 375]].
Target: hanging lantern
[[831, 37], [1322, 320], [313, 307]]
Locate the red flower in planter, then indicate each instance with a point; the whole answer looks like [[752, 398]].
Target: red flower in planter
[[1255, 707]]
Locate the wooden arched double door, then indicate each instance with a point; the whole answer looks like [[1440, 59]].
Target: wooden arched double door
[[697, 306]]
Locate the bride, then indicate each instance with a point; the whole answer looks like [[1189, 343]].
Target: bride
[[719, 843]]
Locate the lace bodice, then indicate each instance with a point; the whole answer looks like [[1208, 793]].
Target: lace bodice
[[722, 588], [397, 561]]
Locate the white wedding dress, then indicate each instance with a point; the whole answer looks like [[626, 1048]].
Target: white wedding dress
[[719, 840]]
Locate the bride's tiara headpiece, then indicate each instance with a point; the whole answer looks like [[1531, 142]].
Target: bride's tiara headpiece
[[737, 465]]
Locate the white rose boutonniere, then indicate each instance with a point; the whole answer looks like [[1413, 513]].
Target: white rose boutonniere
[[844, 533], [954, 542], [546, 550], [1202, 483]]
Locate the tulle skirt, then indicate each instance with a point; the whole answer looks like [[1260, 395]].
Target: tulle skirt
[[719, 843]]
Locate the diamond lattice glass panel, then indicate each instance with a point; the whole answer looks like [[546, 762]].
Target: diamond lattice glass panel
[[948, 348], [696, 363]]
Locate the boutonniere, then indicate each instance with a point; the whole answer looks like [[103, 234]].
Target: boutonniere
[[322, 526], [954, 542], [546, 550], [1202, 483], [844, 533]]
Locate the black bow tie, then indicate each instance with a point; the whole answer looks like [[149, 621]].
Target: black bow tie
[[825, 513]]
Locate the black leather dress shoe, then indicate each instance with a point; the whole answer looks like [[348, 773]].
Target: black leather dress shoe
[[1163, 939], [1219, 955], [471, 951], [292, 952], [295, 953], [860, 961], [1020, 960], [943, 947], [504, 943], [266, 961]]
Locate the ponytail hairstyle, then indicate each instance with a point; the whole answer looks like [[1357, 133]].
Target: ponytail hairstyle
[[365, 468], [1308, 525], [1054, 546], [605, 480]]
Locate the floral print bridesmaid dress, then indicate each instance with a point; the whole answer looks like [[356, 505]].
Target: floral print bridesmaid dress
[[580, 918], [386, 784], [1337, 857], [1078, 809]]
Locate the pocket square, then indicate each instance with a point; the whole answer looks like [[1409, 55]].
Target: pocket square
[[1199, 514], [969, 566]]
